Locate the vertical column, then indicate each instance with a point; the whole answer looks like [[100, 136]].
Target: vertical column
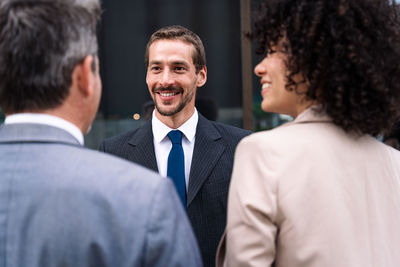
[[247, 88]]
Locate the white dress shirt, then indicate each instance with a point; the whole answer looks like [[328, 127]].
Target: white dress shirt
[[46, 119], [162, 143]]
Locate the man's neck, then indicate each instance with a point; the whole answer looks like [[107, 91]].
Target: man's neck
[[175, 121]]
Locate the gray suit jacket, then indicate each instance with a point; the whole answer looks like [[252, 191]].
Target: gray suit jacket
[[209, 174], [64, 205]]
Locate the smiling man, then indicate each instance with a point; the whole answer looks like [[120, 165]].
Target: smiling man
[[178, 142], [173, 78]]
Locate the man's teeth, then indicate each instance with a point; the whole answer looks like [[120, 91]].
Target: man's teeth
[[266, 85], [168, 94]]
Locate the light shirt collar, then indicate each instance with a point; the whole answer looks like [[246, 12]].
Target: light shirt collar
[[188, 128], [46, 120]]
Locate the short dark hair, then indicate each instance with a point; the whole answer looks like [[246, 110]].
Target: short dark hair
[[178, 32], [348, 51], [41, 41]]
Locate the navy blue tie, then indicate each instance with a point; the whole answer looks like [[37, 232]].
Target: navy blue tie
[[176, 164]]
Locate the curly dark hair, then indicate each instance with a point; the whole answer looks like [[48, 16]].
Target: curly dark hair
[[348, 52]]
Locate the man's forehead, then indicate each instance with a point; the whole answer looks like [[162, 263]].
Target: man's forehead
[[176, 42], [171, 51]]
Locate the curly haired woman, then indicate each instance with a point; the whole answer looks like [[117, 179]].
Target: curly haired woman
[[321, 190]]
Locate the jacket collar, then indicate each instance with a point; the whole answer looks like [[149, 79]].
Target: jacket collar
[[312, 114], [35, 133]]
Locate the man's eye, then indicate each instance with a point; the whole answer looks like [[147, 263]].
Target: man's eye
[[179, 68], [155, 68]]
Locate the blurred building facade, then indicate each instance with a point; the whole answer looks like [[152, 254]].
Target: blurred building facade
[[123, 34], [125, 29]]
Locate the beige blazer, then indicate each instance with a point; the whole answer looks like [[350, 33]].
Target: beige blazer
[[308, 194]]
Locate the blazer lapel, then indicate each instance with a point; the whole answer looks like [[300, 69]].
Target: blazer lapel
[[208, 148], [142, 146]]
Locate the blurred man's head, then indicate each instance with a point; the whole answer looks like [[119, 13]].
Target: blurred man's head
[[46, 47]]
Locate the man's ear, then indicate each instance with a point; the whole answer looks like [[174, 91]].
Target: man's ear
[[202, 77], [83, 75]]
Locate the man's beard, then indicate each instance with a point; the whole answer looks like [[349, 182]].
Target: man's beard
[[185, 99]]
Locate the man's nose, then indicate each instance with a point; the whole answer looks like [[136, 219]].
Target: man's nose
[[167, 78]]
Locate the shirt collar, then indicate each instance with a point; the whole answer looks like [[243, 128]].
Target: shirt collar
[[160, 130], [46, 120]]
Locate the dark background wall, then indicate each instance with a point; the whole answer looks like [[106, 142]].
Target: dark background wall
[[126, 28], [123, 33]]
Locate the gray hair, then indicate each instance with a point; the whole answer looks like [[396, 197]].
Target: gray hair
[[41, 42]]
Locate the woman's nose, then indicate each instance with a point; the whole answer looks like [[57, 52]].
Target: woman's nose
[[259, 69]]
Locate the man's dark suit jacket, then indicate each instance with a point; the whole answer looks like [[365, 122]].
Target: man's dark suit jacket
[[209, 177]]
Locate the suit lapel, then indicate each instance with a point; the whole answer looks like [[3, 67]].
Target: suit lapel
[[142, 146], [208, 148]]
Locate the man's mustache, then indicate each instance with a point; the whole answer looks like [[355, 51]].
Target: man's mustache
[[169, 88]]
